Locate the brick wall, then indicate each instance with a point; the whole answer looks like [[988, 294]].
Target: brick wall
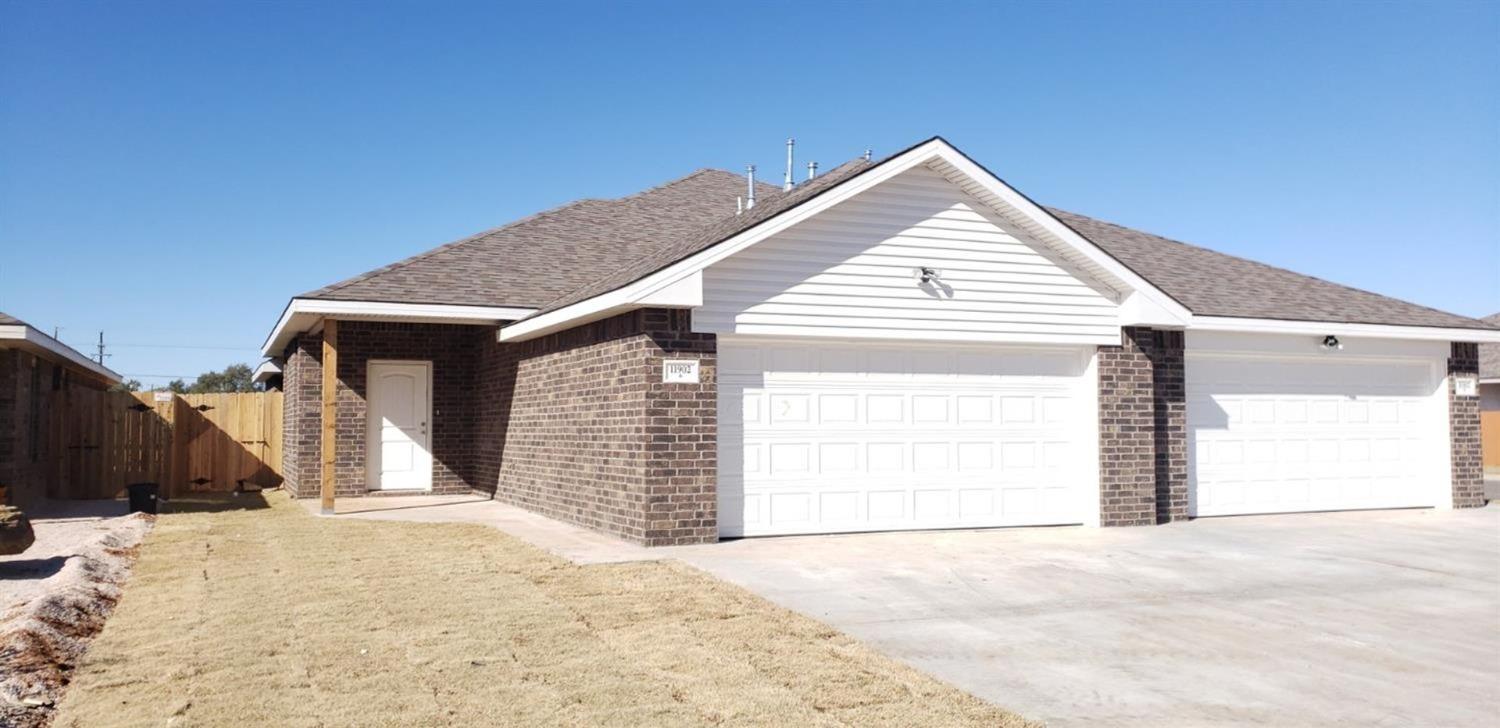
[[579, 426], [1463, 428], [302, 391], [10, 404], [1169, 403], [1142, 429], [451, 349]]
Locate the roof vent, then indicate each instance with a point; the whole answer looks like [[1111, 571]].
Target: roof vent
[[812, 170], [750, 179], [786, 183], [867, 154]]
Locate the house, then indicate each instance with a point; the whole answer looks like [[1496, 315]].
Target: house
[[33, 364], [1489, 398], [906, 343]]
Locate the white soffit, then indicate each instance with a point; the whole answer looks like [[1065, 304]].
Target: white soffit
[[303, 314], [1324, 328], [27, 337]]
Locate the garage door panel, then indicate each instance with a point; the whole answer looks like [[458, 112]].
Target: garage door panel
[[1299, 434], [930, 438]]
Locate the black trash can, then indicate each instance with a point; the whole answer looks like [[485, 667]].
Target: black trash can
[[142, 497]]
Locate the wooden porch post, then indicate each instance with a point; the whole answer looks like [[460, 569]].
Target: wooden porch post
[[330, 412]]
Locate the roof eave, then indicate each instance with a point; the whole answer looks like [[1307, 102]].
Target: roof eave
[[1324, 328], [27, 337], [303, 314]]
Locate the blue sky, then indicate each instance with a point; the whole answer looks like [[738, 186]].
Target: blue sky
[[172, 172]]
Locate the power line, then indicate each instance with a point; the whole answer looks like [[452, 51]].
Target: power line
[[186, 346]]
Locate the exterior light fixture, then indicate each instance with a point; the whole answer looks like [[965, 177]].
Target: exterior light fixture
[[927, 275]]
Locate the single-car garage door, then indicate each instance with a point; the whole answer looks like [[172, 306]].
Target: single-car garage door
[[1271, 431], [825, 437]]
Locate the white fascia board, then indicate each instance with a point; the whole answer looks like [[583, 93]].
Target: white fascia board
[[265, 371], [1140, 309], [1323, 328], [302, 313], [639, 292], [28, 335]]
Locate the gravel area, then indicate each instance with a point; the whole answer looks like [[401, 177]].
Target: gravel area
[[55, 597]]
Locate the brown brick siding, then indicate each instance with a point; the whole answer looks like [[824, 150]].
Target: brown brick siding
[[450, 349], [302, 391], [1463, 429], [1142, 429], [579, 426]]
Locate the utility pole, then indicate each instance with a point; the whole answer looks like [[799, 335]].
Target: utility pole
[[101, 348]]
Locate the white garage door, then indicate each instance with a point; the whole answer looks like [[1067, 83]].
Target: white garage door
[[1272, 434], [826, 437]]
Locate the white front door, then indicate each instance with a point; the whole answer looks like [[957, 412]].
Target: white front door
[[820, 437], [1316, 430], [399, 426]]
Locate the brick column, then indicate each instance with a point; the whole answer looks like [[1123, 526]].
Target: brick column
[[681, 467], [1463, 429], [302, 391], [1169, 401], [1142, 429]]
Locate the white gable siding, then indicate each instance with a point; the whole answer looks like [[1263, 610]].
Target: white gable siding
[[849, 273]]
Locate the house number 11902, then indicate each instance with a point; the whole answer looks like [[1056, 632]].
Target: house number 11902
[[680, 371]]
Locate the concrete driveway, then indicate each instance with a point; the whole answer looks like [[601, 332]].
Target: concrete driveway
[[1375, 618]]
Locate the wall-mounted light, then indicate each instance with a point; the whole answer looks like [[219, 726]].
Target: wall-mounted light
[[1332, 343], [926, 275]]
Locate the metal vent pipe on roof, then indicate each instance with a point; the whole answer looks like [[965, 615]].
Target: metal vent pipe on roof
[[812, 170], [786, 184], [750, 178]]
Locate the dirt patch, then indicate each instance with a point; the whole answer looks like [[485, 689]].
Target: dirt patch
[[276, 617], [56, 598]]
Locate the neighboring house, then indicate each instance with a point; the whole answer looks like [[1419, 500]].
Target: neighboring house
[[897, 344], [1489, 396], [32, 364], [267, 374]]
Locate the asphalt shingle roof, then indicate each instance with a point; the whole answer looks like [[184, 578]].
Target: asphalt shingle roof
[[590, 247], [8, 320], [1489, 354], [544, 256], [1210, 283]]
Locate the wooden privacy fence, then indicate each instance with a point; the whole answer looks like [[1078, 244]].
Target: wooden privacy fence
[[96, 442], [1489, 436]]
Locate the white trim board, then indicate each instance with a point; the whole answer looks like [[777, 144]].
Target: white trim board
[[30, 338], [643, 291], [302, 314], [264, 371], [1319, 328]]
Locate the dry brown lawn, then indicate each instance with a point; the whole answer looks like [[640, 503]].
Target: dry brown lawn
[[270, 616]]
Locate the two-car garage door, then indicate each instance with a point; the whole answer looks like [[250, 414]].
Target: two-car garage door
[[820, 437], [1277, 425]]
